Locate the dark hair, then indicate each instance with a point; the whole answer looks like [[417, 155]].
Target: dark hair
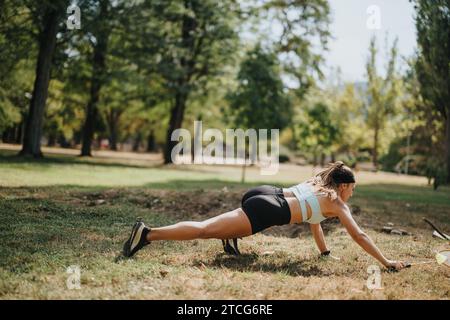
[[330, 178]]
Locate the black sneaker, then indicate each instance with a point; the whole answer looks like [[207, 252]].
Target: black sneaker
[[231, 248], [137, 239]]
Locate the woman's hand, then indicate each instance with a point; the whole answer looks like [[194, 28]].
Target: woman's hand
[[397, 265]]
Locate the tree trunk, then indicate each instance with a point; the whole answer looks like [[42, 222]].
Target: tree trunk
[[113, 138], [77, 137], [51, 140], [10, 135], [375, 148], [20, 128], [447, 145], [113, 124], [63, 143], [176, 119], [294, 140], [89, 123], [244, 166], [99, 142], [137, 142], [5, 136], [151, 143], [47, 43], [322, 160], [98, 71], [188, 27]]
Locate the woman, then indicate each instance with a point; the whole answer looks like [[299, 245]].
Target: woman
[[323, 196]]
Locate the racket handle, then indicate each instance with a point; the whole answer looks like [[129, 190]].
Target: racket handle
[[393, 269]]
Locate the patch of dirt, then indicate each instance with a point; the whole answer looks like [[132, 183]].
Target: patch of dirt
[[180, 204]]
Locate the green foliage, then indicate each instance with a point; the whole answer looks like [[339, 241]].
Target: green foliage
[[435, 169], [344, 136], [433, 63], [64, 114], [317, 131], [17, 35], [394, 155], [347, 111], [184, 43], [163, 53], [259, 102], [303, 39], [418, 130], [382, 94], [8, 113], [17, 46], [14, 95]]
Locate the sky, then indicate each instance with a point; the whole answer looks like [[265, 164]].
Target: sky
[[349, 28]]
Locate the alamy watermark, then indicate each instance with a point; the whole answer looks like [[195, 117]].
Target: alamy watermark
[[374, 20], [74, 19], [73, 281], [233, 149], [374, 280]]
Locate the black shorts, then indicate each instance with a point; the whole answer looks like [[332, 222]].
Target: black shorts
[[265, 206]]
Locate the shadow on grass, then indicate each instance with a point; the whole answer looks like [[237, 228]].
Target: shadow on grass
[[11, 158], [50, 160], [252, 262]]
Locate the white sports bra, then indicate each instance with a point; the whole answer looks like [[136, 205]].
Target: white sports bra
[[305, 193]]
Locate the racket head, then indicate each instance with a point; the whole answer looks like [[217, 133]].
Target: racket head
[[443, 257]]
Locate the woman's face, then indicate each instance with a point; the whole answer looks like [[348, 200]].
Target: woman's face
[[346, 191]]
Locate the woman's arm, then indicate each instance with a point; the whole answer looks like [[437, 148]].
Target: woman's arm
[[317, 232], [363, 239]]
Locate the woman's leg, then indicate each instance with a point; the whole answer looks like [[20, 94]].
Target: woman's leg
[[232, 224]]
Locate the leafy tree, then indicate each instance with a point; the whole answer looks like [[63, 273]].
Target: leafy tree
[[101, 19], [382, 95], [64, 114], [48, 15], [14, 101], [196, 39], [100, 65], [259, 102], [420, 143], [433, 64], [304, 36], [317, 131], [17, 36], [347, 112]]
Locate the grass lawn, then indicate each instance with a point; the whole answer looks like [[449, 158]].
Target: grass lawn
[[65, 211]]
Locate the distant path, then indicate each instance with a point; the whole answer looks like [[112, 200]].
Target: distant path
[[288, 173]]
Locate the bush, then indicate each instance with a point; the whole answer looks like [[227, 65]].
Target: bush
[[435, 169], [390, 161]]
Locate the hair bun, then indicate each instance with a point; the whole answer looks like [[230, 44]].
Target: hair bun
[[338, 164]]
